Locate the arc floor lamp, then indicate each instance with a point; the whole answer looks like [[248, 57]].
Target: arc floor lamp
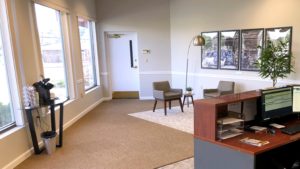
[[197, 41]]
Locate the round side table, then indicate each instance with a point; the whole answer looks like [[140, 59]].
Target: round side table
[[187, 96]]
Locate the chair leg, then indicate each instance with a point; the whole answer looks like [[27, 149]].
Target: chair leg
[[180, 104], [165, 107], [193, 100], [183, 100], [154, 105], [170, 104]]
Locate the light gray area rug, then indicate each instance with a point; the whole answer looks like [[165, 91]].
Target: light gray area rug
[[174, 119]]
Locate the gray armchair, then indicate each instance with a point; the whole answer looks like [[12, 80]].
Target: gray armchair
[[224, 87], [162, 91]]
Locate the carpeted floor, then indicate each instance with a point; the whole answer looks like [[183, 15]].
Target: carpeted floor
[[107, 138], [177, 120]]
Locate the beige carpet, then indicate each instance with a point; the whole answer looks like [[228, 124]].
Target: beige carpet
[[177, 120], [107, 138]]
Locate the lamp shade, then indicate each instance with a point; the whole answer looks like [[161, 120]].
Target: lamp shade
[[198, 41]]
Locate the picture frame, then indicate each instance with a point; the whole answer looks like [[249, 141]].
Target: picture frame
[[275, 35], [210, 51], [229, 49], [250, 40]]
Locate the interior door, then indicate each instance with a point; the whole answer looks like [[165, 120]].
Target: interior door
[[123, 57]]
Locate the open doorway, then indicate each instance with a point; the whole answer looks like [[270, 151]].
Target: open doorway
[[122, 54]]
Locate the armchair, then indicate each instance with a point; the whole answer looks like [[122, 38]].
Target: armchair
[[224, 87], [163, 92]]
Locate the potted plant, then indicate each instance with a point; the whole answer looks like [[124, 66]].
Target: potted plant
[[275, 61], [189, 90]]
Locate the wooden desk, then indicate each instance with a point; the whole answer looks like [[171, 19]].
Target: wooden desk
[[206, 111], [211, 153]]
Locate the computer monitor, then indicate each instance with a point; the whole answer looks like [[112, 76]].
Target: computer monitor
[[296, 98], [276, 103]]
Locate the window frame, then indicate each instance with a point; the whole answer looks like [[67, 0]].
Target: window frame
[[94, 45], [11, 69]]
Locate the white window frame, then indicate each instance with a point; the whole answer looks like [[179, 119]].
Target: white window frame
[[96, 53], [65, 32], [14, 89], [94, 49]]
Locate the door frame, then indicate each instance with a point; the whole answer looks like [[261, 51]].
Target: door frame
[[108, 58]]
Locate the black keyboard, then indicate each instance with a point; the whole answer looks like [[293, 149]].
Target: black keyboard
[[291, 129]]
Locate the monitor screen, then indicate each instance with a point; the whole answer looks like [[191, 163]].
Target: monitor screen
[[276, 102], [296, 99]]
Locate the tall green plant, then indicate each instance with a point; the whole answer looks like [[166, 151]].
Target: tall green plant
[[275, 61]]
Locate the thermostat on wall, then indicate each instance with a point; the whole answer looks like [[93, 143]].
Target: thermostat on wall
[[146, 51]]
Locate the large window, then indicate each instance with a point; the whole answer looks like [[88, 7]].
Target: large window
[[87, 39], [6, 116], [52, 47], [6, 112]]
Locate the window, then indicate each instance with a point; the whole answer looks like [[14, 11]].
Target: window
[[6, 112], [87, 39], [6, 115], [52, 48]]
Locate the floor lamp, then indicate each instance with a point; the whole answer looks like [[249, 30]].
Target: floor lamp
[[197, 41]]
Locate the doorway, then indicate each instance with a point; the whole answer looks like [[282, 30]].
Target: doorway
[[122, 52]]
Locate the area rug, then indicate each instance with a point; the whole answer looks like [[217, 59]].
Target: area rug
[[176, 119]]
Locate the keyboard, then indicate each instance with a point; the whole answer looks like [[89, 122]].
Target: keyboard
[[290, 130]]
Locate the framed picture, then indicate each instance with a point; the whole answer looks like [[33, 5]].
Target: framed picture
[[210, 51], [275, 35], [229, 49], [250, 40]]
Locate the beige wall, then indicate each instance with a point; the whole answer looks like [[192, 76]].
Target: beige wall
[[191, 17], [16, 145], [151, 21]]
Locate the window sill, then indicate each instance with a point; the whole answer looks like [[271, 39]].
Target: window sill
[[92, 89], [11, 131]]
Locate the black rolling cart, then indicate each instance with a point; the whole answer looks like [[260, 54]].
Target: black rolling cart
[[52, 106]]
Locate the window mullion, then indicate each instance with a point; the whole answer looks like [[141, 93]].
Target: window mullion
[[92, 36]]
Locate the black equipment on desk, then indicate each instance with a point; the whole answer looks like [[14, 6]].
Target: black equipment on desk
[[43, 88], [291, 129]]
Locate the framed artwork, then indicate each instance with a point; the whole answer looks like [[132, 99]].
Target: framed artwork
[[250, 40], [210, 51], [275, 35], [229, 49]]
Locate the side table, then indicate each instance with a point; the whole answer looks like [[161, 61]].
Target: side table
[[29, 110], [187, 96]]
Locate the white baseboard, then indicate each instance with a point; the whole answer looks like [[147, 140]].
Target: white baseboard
[[80, 115], [30, 151], [107, 98], [21, 158]]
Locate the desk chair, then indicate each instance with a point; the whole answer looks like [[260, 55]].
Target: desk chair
[[162, 91], [224, 87]]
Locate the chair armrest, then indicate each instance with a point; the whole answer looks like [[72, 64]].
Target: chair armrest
[[210, 90], [176, 91], [159, 94]]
